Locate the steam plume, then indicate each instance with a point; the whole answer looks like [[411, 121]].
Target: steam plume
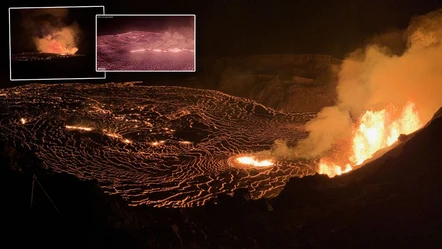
[[51, 31], [375, 77]]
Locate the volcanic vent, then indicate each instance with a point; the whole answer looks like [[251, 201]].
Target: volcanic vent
[[46, 31], [381, 95], [53, 42]]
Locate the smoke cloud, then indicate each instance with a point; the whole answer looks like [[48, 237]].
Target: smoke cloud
[[51, 30], [170, 40], [388, 72]]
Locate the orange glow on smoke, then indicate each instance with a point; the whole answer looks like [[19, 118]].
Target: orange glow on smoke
[[59, 41], [49, 44], [57, 48], [375, 130]]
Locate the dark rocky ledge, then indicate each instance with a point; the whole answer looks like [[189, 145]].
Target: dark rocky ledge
[[392, 202]]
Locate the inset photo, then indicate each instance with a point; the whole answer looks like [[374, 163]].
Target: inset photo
[[53, 43], [146, 43]]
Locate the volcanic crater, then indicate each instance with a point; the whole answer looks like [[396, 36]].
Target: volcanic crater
[[160, 146]]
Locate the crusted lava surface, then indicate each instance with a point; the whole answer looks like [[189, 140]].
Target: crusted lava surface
[[160, 146], [145, 51]]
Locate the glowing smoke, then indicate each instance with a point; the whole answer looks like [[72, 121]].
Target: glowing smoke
[[171, 41], [59, 41], [374, 77], [51, 30]]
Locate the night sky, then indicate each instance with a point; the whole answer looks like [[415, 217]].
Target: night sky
[[232, 27], [229, 27]]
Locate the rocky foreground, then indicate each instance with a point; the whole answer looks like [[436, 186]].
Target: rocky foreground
[[392, 202]]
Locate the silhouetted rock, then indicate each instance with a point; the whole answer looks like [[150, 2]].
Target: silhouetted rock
[[291, 83]]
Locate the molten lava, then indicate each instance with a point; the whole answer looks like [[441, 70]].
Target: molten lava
[[157, 143], [171, 50], [82, 128], [113, 135], [247, 160], [374, 130]]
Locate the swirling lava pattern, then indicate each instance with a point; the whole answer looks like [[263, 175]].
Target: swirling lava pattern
[[160, 146]]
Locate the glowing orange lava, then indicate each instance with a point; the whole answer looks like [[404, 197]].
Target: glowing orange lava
[[247, 160], [158, 143], [113, 135], [72, 127], [375, 130]]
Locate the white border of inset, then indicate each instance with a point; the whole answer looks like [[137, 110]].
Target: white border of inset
[[148, 71], [51, 7]]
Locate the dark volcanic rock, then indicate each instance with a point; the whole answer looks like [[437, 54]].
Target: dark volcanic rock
[[291, 83], [65, 212]]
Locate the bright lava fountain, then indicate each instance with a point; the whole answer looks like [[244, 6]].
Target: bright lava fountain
[[374, 130]]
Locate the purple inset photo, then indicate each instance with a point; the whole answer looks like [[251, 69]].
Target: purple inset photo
[[145, 43]]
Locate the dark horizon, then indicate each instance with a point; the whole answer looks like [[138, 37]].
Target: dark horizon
[[110, 25], [295, 27], [232, 28], [256, 27]]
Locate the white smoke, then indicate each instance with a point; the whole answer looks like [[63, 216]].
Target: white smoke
[[375, 77]]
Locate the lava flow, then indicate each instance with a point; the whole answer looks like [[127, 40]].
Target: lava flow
[[375, 130], [247, 160], [158, 146], [73, 127]]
